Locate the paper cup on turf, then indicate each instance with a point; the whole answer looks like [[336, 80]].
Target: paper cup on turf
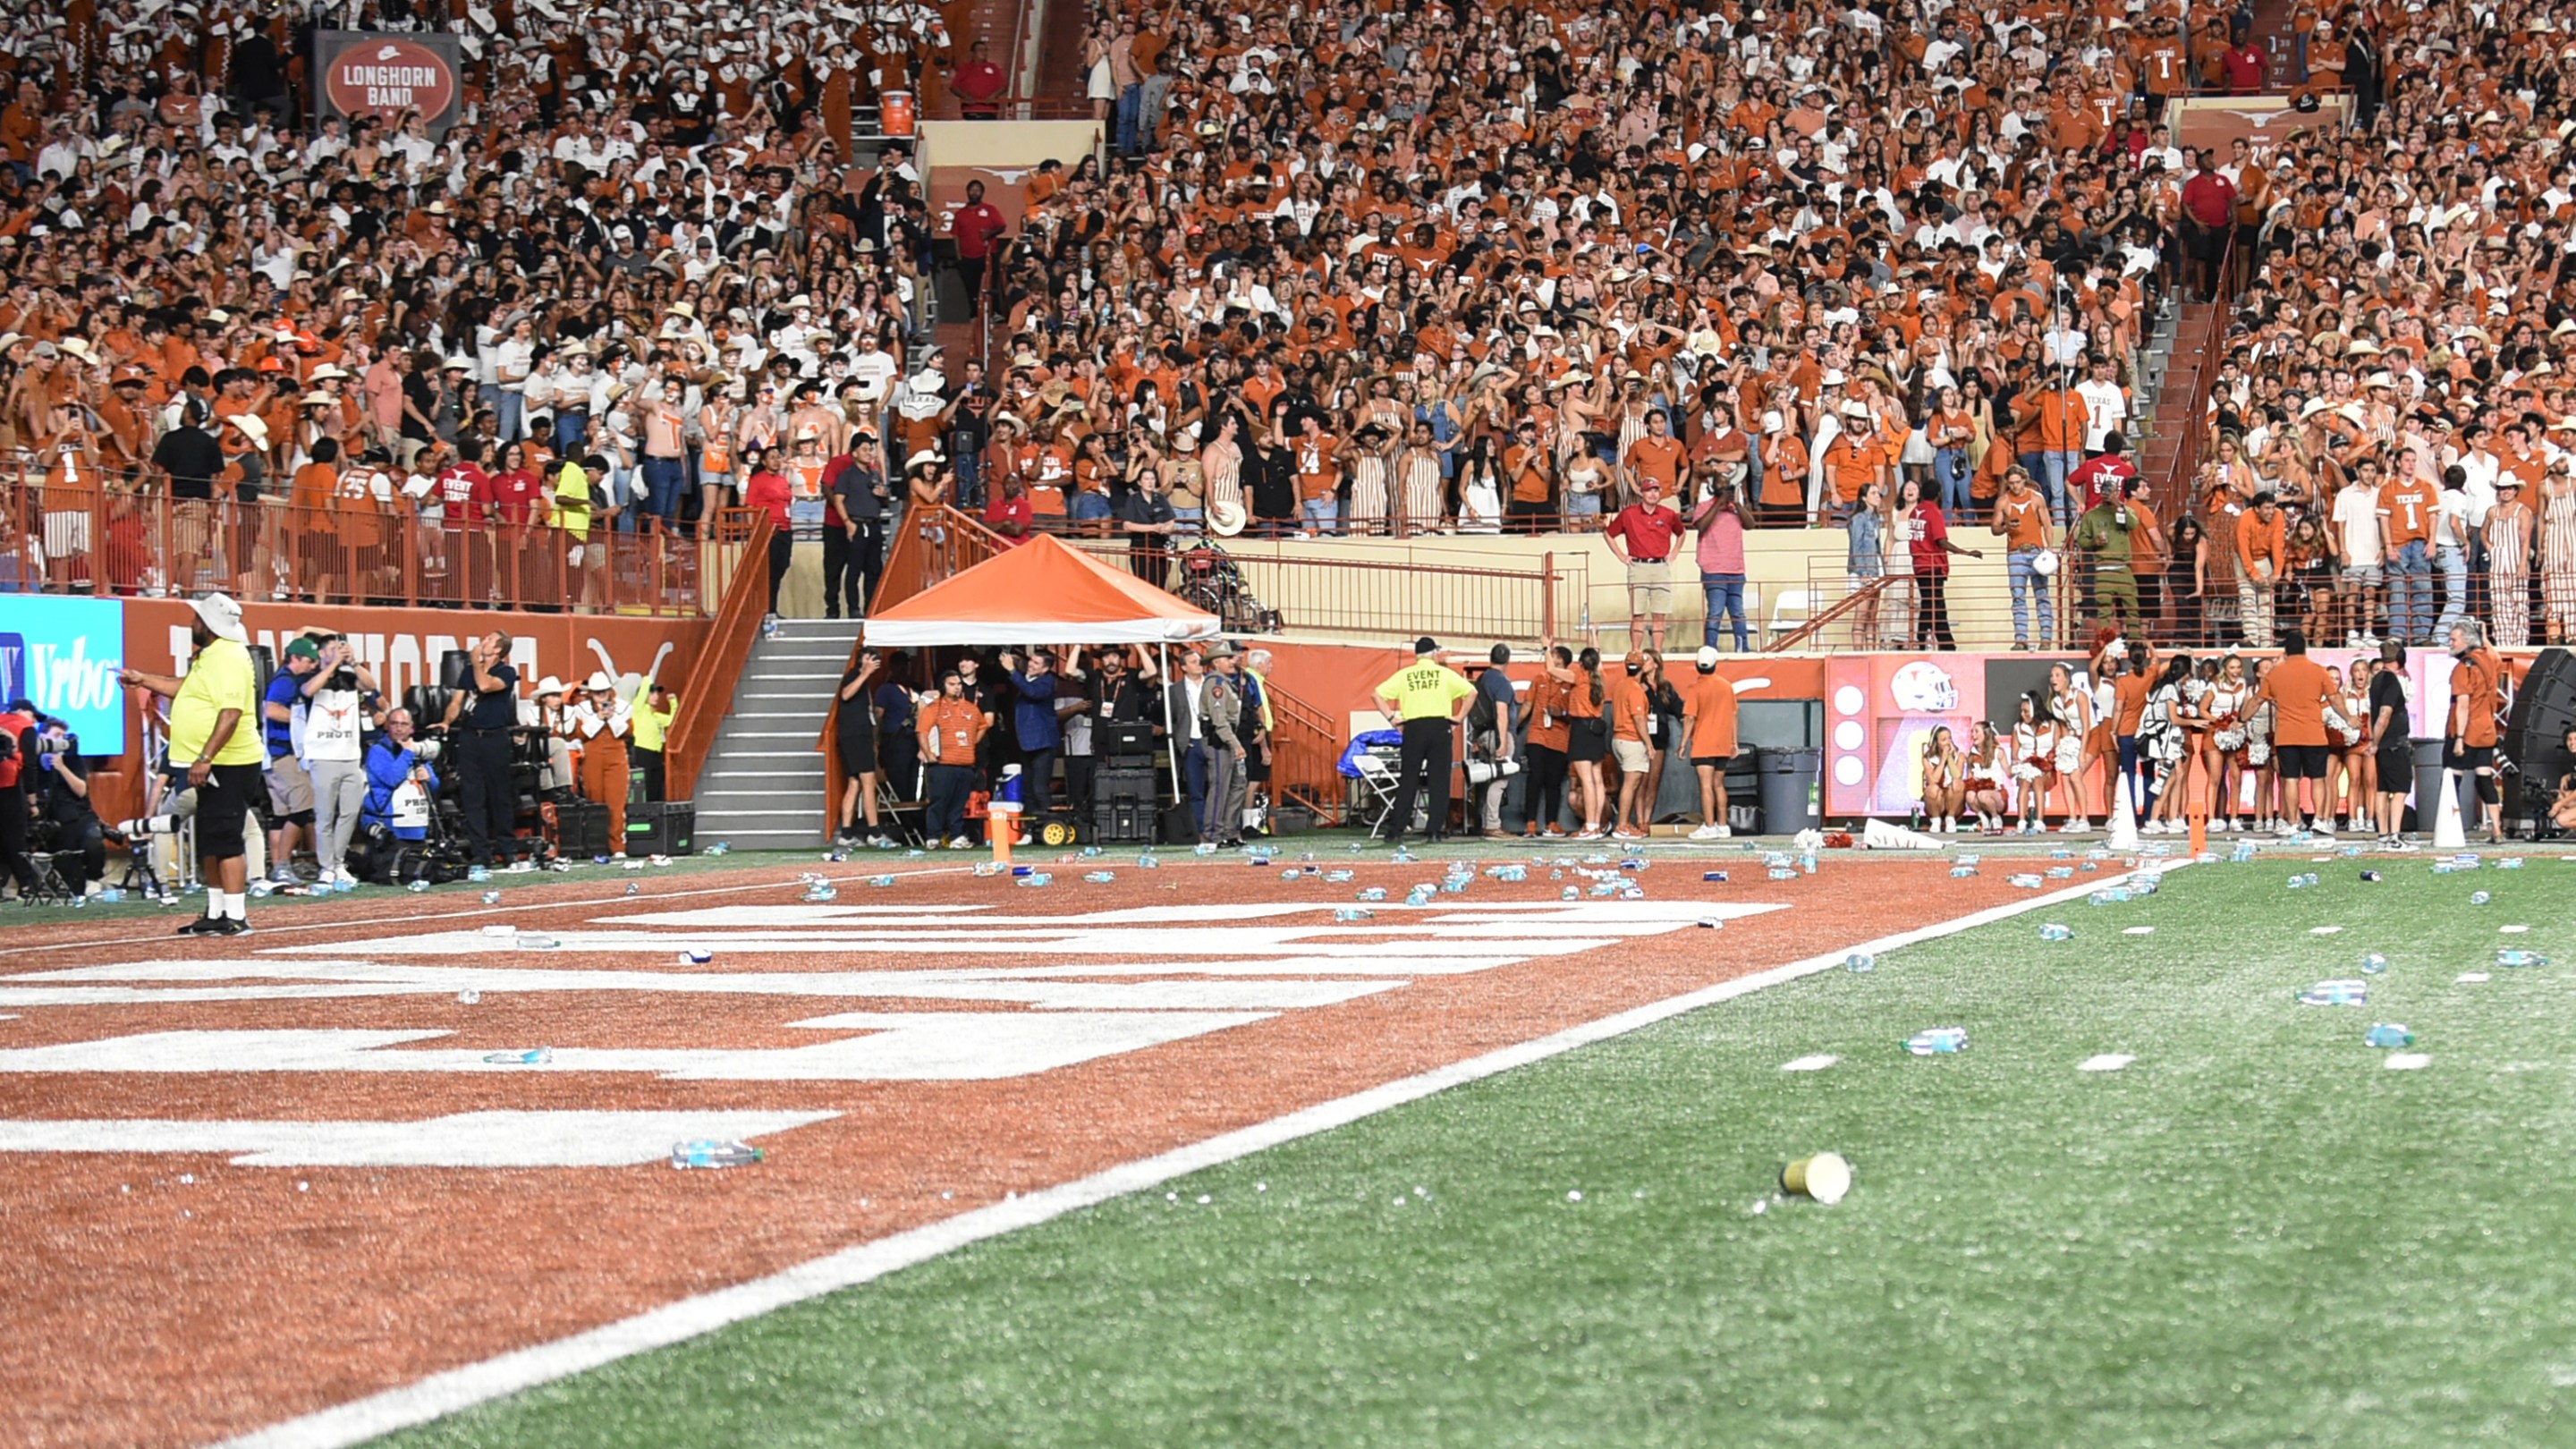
[[1824, 1177]]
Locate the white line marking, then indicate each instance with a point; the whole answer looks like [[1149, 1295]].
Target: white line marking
[[1816, 1063], [462, 1139], [2106, 1062], [462, 1388]]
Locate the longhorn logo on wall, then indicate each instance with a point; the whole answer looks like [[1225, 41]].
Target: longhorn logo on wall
[[386, 77]]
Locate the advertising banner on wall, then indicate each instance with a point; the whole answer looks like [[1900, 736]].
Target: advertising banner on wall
[[63, 654], [1881, 708], [388, 76]]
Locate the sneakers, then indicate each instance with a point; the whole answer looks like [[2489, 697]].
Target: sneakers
[[1552, 833], [881, 842], [204, 926], [960, 843], [282, 875], [1624, 833], [1708, 832], [230, 927], [1593, 832]]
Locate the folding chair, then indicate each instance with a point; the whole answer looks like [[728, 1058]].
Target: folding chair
[[49, 885], [1380, 776]]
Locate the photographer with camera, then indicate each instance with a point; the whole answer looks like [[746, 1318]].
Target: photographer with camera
[[339, 701], [215, 755], [400, 780], [480, 719], [58, 789], [290, 790]]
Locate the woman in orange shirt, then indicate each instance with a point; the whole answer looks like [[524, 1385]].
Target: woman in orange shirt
[[1545, 797], [951, 730], [310, 497], [1587, 733]]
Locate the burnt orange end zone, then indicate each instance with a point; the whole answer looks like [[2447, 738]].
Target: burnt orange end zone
[[147, 1311]]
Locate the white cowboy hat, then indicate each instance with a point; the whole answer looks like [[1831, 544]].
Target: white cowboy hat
[[1225, 518], [252, 427], [222, 615], [926, 455], [549, 685], [598, 681]]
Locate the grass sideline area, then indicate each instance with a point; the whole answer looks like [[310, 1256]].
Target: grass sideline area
[[2255, 1233]]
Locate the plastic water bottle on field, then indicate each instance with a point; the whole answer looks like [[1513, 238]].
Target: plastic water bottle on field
[[2025, 882], [2479, 898], [1782, 872], [532, 941], [1289, 874], [1938, 1041], [1963, 872], [714, 1154], [1807, 861], [2336, 993], [1036, 878], [881, 881], [1716, 877], [478, 874], [110, 895], [2389, 1034], [2243, 852], [418, 886], [1860, 962], [1339, 877], [534, 1057], [1372, 893], [1148, 862], [2061, 872], [1090, 852], [2053, 931], [491, 898], [1099, 877], [2373, 964], [2302, 881], [2518, 957], [821, 893], [1569, 894], [1353, 913], [720, 848], [1512, 873]]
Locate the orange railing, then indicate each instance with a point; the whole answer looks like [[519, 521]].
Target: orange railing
[[1305, 758], [706, 689], [1254, 592], [2176, 495], [930, 545], [106, 537]]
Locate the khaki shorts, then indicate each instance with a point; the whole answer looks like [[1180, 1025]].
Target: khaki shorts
[[1650, 587], [290, 790], [1632, 755]]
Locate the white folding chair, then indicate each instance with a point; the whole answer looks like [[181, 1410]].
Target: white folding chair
[[1789, 613]]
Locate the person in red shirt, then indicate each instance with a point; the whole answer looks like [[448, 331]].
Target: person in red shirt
[[2208, 220], [766, 488], [1642, 536], [977, 224], [978, 85], [2099, 478], [1927, 537], [1009, 512], [2246, 62]]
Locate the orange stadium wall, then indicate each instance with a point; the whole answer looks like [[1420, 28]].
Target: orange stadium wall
[[402, 647]]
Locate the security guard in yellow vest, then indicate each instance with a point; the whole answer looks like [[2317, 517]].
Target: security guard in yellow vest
[[1425, 695], [652, 726]]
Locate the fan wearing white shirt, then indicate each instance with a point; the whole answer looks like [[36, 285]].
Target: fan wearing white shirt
[[603, 724]]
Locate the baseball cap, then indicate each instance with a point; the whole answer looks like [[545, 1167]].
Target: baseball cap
[[303, 648], [1707, 657], [1426, 645]]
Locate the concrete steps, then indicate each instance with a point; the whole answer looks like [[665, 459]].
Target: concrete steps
[[762, 785]]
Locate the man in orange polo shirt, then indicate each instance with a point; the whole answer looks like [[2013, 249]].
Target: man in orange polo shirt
[[2262, 553], [2300, 691], [2469, 740], [2021, 519]]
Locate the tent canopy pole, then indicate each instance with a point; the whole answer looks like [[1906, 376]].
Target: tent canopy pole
[[1179, 741]]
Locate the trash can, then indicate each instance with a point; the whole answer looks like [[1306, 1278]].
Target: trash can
[[2428, 785], [1744, 793], [1791, 781]]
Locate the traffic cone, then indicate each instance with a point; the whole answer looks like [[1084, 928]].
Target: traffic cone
[[2447, 831], [2124, 816]]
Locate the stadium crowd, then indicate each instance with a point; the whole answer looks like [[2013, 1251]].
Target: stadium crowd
[[1354, 269]]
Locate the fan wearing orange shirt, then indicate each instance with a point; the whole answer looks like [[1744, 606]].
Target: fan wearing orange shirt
[[2469, 739], [2300, 692], [312, 496], [1313, 454], [1708, 703], [2021, 519], [2406, 531]]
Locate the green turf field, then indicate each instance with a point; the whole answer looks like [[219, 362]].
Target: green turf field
[[2254, 1234]]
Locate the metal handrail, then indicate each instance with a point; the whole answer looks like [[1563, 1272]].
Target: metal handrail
[[719, 659]]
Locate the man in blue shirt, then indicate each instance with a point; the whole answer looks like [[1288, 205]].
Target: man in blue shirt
[[480, 719], [1033, 724], [400, 783], [290, 790]]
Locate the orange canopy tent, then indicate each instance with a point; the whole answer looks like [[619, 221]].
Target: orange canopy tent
[[1040, 593]]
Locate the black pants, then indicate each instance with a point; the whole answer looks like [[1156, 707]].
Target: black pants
[[867, 563], [650, 762], [1037, 782], [898, 766], [485, 790], [1932, 620], [1519, 517], [836, 565], [1543, 794], [945, 816], [1427, 752], [1078, 795], [782, 547], [13, 837], [970, 275]]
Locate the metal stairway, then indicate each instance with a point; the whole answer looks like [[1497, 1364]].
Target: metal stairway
[[762, 787]]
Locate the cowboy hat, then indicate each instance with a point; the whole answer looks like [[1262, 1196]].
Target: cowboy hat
[[252, 426], [1225, 518], [549, 685], [926, 455], [599, 682], [219, 613]]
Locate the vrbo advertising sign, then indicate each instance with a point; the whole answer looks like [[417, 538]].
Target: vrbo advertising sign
[[388, 76], [63, 654]]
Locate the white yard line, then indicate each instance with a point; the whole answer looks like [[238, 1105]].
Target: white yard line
[[479, 1383]]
